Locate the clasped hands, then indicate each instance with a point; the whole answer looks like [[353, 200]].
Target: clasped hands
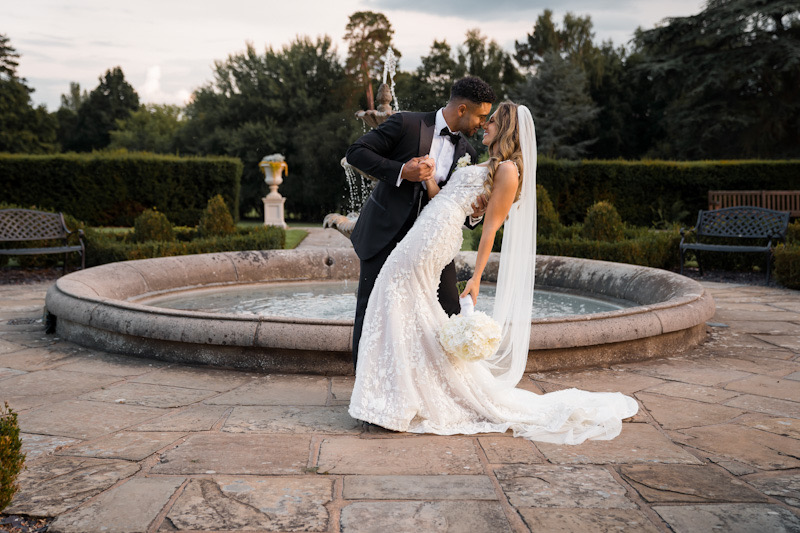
[[423, 168]]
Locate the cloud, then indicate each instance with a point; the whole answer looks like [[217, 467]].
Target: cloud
[[498, 9], [152, 92]]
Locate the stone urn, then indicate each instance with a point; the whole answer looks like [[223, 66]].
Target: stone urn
[[273, 166]]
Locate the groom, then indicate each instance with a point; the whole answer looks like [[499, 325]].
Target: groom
[[397, 154]]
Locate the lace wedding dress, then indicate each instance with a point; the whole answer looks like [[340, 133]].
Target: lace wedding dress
[[406, 382]]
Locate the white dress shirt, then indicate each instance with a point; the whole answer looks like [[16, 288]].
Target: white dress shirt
[[442, 150]]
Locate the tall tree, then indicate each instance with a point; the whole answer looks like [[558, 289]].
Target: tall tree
[[293, 101], [67, 114], [23, 128], [113, 99], [559, 100], [479, 56], [151, 128], [729, 80], [369, 37]]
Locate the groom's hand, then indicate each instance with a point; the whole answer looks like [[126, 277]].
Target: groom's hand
[[419, 169], [479, 206]]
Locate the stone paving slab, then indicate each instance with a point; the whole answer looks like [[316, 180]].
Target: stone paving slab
[[689, 371], [197, 378], [291, 419], [341, 388], [761, 404], [38, 446], [730, 518], [689, 391], [32, 359], [112, 511], [638, 443], [414, 517], [562, 486], [758, 363], [277, 390], [252, 503], [783, 389], [56, 485], [149, 395], [785, 486], [212, 453], [54, 382], [192, 418], [84, 420], [110, 364], [507, 450], [775, 327], [128, 445], [681, 483], [8, 347], [761, 449], [586, 520], [790, 342], [424, 455], [673, 413], [788, 427], [451, 487]]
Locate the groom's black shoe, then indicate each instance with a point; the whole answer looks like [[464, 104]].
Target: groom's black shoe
[[369, 427]]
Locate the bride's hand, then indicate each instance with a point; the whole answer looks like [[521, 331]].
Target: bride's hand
[[473, 288]]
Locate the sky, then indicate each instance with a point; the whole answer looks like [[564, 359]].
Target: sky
[[167, 48]]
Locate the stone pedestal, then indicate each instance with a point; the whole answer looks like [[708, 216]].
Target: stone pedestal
[[273, 210], [273, 167]]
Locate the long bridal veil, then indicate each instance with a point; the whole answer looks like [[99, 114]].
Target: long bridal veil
[[514, 300]]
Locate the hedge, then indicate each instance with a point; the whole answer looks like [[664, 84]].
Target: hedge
[[111, 189], [638, 189], [102, 248]]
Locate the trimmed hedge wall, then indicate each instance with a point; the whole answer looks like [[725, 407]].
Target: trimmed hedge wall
[[635, 187], [111, 189]]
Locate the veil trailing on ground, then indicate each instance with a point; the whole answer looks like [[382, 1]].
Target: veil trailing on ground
[[514, 300]]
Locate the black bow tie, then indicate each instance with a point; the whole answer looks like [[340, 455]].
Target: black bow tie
[[453, 136]]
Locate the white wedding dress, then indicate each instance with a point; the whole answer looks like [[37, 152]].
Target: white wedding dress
[[406, 382]]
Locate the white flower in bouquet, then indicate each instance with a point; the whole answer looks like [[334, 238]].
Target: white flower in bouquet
[[470, 335], [464, 161]]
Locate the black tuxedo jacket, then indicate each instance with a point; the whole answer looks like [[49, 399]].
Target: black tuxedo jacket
[[381, 153]]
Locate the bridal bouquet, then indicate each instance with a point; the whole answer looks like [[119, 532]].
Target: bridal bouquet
[[471, 335]]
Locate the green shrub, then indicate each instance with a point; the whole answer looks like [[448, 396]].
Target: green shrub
[[112, 189], [547, 222], [603, 223], [793, 233], [787, 265], [152, 226], [11, 457], [477, 233], [217, 219], [103, 248]]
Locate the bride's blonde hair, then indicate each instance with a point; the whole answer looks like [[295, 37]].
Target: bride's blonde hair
[[505, 145]]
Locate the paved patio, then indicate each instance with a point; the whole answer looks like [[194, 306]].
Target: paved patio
[[122, 444]]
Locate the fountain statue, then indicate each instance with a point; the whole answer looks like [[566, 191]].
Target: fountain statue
[[360, 184], [273, 167]]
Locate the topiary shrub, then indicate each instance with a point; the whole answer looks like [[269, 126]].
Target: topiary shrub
[[603, 223], [787, 265], [11, 457], [152, 226], [217, 220], [547, 222]]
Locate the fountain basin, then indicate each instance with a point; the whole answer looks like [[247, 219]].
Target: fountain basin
[[98, 308]]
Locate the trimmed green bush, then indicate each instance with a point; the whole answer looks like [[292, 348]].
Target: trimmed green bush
[[113, 188], [639, 189], [12, 459], [217, 219], [547, 222], [603, 223], [152, 226], [787, 265], [102, 248]]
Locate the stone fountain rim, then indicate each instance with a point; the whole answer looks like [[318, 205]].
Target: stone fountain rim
[[92, 306]]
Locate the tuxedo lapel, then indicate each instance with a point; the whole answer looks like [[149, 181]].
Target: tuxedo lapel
[[426, 134]]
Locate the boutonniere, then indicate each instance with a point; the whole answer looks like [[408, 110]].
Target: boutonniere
[[464, 161]]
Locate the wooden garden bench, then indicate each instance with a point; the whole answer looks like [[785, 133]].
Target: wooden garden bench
[[746, 223], [25, 225], [777, 200]]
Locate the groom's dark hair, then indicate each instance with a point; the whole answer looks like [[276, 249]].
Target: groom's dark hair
[[473, 89]]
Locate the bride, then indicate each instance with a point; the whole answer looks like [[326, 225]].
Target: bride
[[405, 381]]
